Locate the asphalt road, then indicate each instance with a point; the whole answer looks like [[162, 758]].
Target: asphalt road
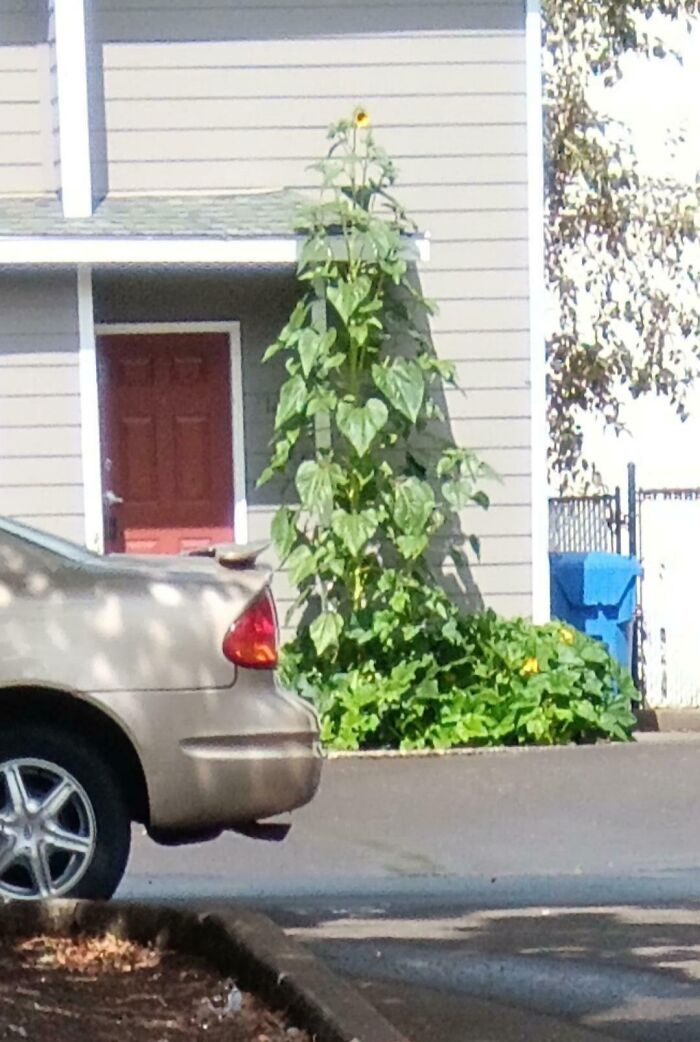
[[535, 895]]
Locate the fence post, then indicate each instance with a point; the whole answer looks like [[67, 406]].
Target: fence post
[[632, 508], [637, 623]]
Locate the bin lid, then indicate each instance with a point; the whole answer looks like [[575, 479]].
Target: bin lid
[[595, 578]]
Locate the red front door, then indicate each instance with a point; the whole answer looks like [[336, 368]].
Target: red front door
[[167, 456]]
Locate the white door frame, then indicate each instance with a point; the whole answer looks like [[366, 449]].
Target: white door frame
[[233, 331]]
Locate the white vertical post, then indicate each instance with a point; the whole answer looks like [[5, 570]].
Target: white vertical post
[[538, 392], [73, 119], [89, 415], [240, 497], [319, 318]]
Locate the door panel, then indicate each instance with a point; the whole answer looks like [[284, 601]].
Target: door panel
[[167, 443]]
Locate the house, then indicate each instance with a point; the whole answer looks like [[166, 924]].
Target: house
[[150, 154]]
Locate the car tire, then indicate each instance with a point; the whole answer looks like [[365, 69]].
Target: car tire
[[65, 828]]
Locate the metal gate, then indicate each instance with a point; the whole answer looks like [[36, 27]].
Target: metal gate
[[667, 526], [661, 527], [582, 524]]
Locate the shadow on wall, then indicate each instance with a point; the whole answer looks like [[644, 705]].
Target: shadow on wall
[[454, 572]]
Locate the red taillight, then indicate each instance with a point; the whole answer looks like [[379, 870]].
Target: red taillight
[[252, 641]]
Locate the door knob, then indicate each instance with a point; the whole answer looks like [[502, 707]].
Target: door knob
[[111, 499]]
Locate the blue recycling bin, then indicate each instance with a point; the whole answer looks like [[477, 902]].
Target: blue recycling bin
[[597, 594]]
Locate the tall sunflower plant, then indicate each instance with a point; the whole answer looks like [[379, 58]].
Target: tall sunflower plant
[[358, 419], [374, 491]]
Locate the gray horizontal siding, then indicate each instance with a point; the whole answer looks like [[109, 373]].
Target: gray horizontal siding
[[33, 442], [24, 471], [238, 79], [202, 20], [68, 526], [480, 346], [477, 49], [247, 99], [25, 137], [463, 254], [492, 416], [207, 96], [464, 406], [40, 458], [22, 22], [482, 283], [297, 143], [417, 110]]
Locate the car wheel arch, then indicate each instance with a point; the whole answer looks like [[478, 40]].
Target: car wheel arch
[[78, 715]]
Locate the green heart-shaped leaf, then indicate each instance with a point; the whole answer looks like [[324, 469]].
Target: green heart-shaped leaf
[[283, 531], [325, 631], [458, 493], [301, 564], [309, 347], [315, 487], [361, 424], [354, 529], [346, 297], [412, 546], [403, 385], [292, 400], [414, 503]]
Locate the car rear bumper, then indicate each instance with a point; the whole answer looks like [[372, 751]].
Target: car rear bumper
[[241, 780], [215, 759]]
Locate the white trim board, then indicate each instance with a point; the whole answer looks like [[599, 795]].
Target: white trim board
[[73, 118], [538, 389], [174, 251], [89, 415], [238, 464]]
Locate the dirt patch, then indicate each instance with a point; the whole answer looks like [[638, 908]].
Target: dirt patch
[[107, 989]]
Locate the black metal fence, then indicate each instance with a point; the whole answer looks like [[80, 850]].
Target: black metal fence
[[586, 524], [589, 524]]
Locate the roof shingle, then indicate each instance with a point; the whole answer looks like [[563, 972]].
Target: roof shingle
[[247, 215]]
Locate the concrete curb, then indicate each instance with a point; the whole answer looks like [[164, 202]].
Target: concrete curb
[[433, 754], [238, 943], [663, 721], [669, 720]]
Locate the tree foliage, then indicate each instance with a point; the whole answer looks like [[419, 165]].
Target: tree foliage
[[621, 263]]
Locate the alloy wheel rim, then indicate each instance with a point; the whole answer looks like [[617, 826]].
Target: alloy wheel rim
[[48, 831]]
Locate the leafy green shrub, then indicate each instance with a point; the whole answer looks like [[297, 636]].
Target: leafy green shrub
[[375, 513], [473, 680]]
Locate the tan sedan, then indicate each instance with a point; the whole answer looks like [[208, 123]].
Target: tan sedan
[[136, 689]]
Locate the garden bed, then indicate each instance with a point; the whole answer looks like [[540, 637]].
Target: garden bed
[[108, 989], [78, 971]]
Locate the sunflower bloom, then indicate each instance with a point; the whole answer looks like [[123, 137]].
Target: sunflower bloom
[[361, 118], [530, 667], [566, 635]]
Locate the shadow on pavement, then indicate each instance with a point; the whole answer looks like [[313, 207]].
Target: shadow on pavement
[[631, 972]]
